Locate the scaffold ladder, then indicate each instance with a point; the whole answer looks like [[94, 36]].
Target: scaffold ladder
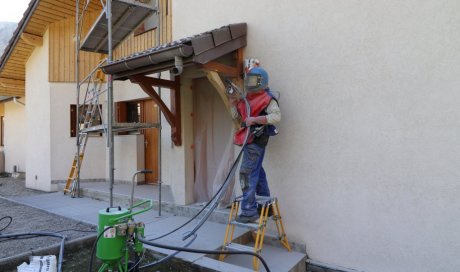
[[269, 209], [90, 111]]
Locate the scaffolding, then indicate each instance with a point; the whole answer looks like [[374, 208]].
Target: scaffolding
[[116, 21]]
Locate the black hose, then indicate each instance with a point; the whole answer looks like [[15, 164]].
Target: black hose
[[229, 175], [33, 234], [204, 251], [9, 223], [166, 258], [90, 266]]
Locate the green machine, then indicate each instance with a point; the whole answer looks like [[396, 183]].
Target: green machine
[[117, 237]]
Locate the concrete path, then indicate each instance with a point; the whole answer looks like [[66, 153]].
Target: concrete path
[[210, 236]]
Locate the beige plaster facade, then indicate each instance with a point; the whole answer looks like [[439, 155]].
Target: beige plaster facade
[[365, 165]]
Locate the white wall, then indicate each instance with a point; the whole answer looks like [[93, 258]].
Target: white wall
[[63, 147], [366, 159], [129, 157], [15, 136], [38, 174]]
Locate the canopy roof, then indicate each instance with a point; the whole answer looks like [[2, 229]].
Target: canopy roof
[[198, 49]]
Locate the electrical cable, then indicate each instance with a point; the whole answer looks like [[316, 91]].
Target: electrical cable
[[7, 225], [61, 248], [203, 251]]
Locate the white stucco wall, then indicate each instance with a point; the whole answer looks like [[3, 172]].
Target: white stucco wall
[[15, 136], [63, 147], [38, 153], [129, 157], [365, 165]]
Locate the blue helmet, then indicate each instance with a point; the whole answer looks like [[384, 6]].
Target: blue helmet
[[256, 79]]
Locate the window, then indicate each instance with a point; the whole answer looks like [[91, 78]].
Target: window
[[73, 118], [133, 110]]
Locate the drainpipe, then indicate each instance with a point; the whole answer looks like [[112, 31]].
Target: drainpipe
[[178, 66], [16, 101]]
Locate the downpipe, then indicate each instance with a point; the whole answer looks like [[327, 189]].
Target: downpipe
[[178, 66]]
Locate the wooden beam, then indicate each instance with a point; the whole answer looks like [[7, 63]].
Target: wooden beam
[[158, 82], [217, 83], [173, 115], [222, 69], [32, 39], [11, 92]]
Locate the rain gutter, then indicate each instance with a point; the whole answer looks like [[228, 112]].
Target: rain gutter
[[155, 57]]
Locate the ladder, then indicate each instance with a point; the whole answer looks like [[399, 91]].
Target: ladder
[[268, 204], [90, 111]]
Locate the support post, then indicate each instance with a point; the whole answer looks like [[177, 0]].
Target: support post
[[110, 104]]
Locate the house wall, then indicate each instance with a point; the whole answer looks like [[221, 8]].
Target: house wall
[[63, 146], [37, 114], [15, 136], [365, 165]]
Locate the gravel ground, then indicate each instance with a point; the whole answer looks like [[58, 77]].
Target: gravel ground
[[10, 187], [28, 219]]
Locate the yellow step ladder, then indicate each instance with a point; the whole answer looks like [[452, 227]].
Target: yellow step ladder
[[90, 111], [268, 204]]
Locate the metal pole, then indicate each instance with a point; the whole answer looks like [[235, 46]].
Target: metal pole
[[159, 117], [110, 102], [77, 79]]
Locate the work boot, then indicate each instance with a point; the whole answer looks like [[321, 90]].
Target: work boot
[[246, 219]]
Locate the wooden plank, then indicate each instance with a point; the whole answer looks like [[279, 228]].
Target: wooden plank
[[32, 39], [55, 16], [61, 50], [72, 50], [56, 9], [46, 19], [8, 92], [67, 51]]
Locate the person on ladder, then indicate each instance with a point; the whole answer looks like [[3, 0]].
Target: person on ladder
[[265, 113]]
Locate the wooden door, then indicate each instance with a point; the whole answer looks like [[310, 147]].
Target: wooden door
[[150, 115]]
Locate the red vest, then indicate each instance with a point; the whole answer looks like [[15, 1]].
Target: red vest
[[258, 103]]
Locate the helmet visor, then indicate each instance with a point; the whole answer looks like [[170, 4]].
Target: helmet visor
[[253, 81]]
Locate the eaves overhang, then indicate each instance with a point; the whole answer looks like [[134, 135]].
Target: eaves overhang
[[198, 49]]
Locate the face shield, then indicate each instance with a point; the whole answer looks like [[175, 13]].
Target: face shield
[[253, 82]]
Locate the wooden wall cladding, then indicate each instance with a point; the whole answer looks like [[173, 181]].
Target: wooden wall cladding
[[62, 44]]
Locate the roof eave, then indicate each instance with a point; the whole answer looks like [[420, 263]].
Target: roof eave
[[17, 33]]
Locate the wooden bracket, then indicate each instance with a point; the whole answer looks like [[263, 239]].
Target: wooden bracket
[[173, 115]]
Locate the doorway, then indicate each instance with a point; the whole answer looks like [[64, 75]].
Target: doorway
[[150, 114], [143, 111]]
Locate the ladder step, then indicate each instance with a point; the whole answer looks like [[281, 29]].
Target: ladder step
[[254, 226], [239, 247]]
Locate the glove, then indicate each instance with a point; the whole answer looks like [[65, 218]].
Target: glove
[[259, 120]]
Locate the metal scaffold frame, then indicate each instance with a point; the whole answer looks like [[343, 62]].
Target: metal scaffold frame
[[129, 17]]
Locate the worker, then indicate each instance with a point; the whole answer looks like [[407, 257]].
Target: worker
[[265, 113]]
